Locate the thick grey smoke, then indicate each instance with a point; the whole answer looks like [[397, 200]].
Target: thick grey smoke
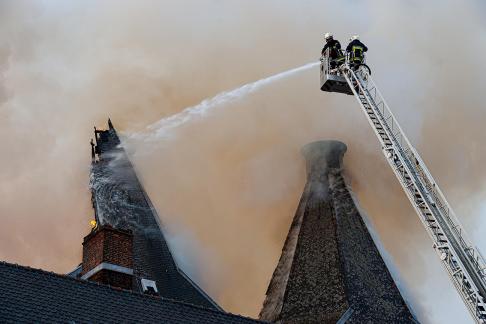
[[227, 184]]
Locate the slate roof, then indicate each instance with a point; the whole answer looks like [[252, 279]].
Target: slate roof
[[35, 296], [330, 270], [120, 201]]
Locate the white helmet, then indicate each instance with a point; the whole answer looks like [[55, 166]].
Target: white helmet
[[354, 37], [327, 36]]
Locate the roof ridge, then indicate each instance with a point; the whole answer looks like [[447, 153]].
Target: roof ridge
[[116, 289]]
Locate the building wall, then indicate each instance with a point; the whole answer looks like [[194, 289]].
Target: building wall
[[112, 278], [92, 251], [106, 244], [118, 249]]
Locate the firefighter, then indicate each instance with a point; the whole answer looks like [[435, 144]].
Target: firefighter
[[356, 51], [335, 53]]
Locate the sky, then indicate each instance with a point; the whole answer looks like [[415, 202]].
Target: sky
[[226, 182]]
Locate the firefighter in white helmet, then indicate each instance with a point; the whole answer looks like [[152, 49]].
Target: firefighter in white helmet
[[356, 50], [336, 56]]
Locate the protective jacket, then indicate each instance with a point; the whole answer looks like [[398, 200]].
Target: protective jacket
[[334, 49], [356, 49]]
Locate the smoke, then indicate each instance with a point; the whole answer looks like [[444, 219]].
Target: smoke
[[233, 177]]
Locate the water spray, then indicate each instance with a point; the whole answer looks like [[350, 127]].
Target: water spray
[[165, 125]]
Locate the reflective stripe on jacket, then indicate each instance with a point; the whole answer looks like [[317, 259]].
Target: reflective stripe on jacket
[[357, 53], [356, 49]]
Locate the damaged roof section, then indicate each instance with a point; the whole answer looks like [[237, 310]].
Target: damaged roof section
[[119, 200]]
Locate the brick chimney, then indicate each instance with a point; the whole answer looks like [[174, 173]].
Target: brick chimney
[[108, 257]]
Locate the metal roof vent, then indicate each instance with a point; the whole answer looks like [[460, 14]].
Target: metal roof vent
[[149, 287]]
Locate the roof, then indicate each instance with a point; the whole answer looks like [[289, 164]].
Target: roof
[[33, 295], [120, 200], [330, 270]]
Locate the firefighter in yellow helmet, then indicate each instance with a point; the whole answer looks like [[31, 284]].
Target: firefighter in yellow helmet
[[356, 50]]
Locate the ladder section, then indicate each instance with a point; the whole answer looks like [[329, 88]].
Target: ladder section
[[463, 263]]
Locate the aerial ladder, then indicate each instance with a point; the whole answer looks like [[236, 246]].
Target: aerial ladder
[[464, 264]]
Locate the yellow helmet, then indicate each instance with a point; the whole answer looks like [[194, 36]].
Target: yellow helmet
[[355, 37]]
